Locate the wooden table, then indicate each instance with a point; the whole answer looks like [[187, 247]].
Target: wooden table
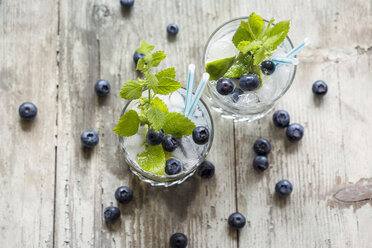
[[53, 192]]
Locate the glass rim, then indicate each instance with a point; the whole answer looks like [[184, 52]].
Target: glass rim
[[170, 178], [245, 18]]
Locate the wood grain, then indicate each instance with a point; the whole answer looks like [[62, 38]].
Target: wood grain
[[28, 32], [54, 191]]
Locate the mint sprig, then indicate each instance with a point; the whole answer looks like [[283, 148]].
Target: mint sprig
[[152, 110]]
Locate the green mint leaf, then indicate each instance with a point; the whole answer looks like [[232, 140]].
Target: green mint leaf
[[156, 117], [128, 124], [267, 28], [141, 65], [256, 24], [159, 104], [131, 90], [242, 34], [218, 68], [151, 81], [145, 47], [178, 125], [170, 73], [261, 54], [243, 64], [167, 85], [157, 57], [276, 35], [252, 46], [153, 160]]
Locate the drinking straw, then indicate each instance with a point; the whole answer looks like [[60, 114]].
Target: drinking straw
[[190, 86], [291, 61], [294, 51], [198, 93]]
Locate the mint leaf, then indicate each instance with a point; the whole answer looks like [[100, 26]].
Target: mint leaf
[[256, 24], [178, 125], [243, 64], [157, 57], [252, 46], [128, 124], [218, 68], [153, 160], [140, 65], [131, 90], [170, 73], [150, 80], [167, 85], [159, 104], [268, 27], [241, 34], [145, 47], [261, 54], [156, 117], [276, 35]]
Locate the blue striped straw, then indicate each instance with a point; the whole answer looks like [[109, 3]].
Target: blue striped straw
[[291, 61], [294, 51], [198, 93], [190, 87]]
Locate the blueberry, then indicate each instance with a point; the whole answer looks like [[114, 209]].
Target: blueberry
[[200, 135], [236, 220], [281, 119], [154, 138], [172, 166], [224, 86], [249, 82], [102, 87], [137, 56], [127, 3], [295, 132], [27, 111], [320, 88], [111, 214], [172, 29], [260, 163], [283, 188], [124, 194], [267, 67], [235, 94], [206, 170], [178, 240], [89, 138], [170, 143], [262, 146]]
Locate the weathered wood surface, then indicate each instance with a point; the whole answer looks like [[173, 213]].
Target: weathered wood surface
[[53, 191]]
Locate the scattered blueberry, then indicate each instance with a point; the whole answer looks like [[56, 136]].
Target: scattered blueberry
[[236, 220], [111, 214], [89, 138], [320, 88], [260, 163], [172, 166], [27, 111], [206, 170], [124, 194], [249, 82], [267, 67], [283, 188], [200, 135], [137, 56], [295, 132], [224, 86], [127, 3], [178, 240], [262, 146], [172, 29], [235, 94], [102, 87], [154, 138], [281, 119], [170, 143]]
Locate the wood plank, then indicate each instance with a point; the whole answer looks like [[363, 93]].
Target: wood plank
[[28, 31], [330, 156], [97, 41]]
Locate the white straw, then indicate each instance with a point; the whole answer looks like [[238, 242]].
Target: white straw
[[190, 87], [198, 93]]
